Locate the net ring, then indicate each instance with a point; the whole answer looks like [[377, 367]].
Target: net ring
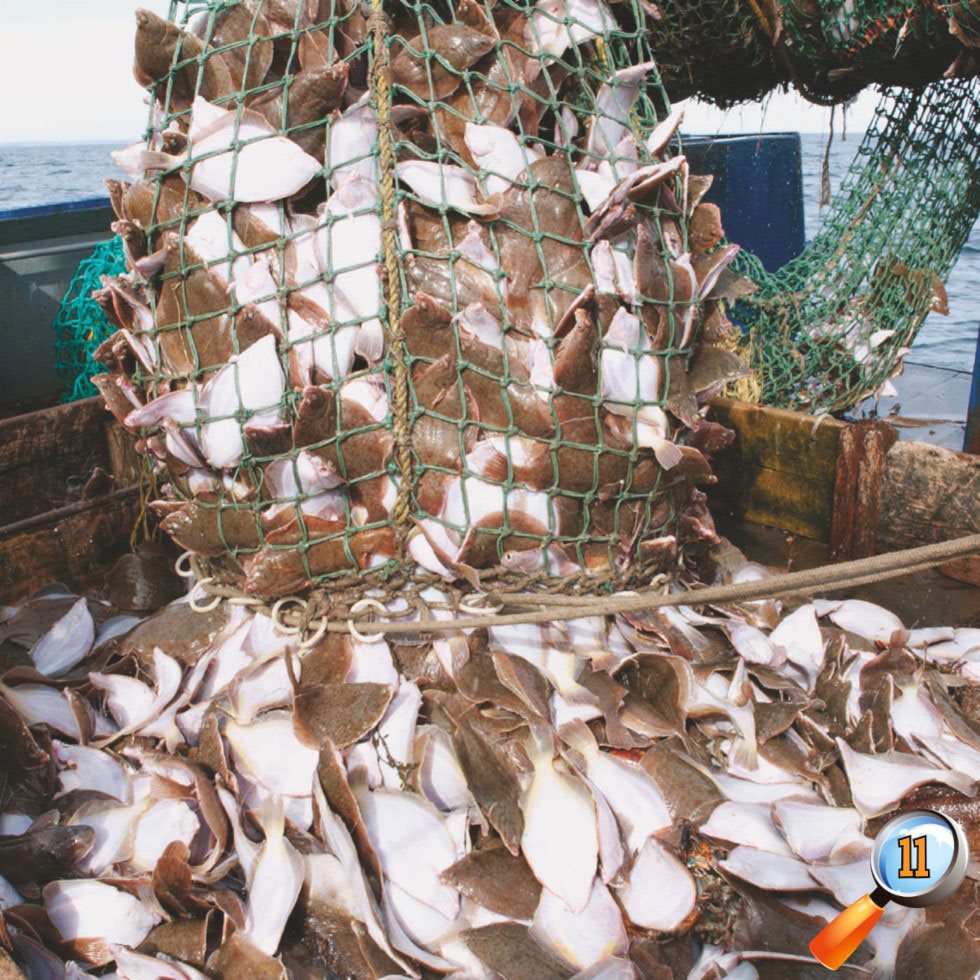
[[468, 604], [195, 605], [360, 606], [276, 614], [316, 636], [182, 566]]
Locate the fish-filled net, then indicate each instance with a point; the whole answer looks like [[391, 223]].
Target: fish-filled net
[[419, 287], [833, 326], [739, 50]]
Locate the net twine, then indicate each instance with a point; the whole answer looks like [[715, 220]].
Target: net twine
[[833, 325]]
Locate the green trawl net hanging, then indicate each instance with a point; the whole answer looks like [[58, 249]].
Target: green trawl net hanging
[[422, 292], [81, 326], [832, 326]]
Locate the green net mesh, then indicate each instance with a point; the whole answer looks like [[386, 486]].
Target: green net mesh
[[830, 328], [81, 326], [416, 287]]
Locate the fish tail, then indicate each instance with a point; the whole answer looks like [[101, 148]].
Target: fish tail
[[668, 455], [541, 744], [745, 753], [139, 161], [577, 695], [271, 817]]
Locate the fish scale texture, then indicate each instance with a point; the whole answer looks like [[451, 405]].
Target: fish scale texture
[[425, 290]]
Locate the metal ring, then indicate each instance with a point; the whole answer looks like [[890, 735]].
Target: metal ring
[[277, 619], [193, 601], [359, 606], [183, 565]]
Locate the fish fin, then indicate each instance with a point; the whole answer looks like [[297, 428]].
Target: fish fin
[[668, 455], [152, 265], [491, 464], [578, 736], [248, 117]]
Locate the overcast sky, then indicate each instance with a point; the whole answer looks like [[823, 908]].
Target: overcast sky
[[66, 75]]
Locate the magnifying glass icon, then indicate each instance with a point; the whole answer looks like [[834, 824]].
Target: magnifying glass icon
[[919, 859]]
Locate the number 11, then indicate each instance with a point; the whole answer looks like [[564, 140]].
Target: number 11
[[906, 870]]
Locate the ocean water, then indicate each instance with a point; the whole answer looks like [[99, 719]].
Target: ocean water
[[36, 174]]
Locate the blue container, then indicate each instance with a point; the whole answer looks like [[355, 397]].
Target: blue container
[[759, 187]]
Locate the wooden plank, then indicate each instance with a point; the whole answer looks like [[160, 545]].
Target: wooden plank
[[77, 549], [774, 499], [33, 436], [781, 473], [780, 440], [932, 494], [124, 461], [781, 470], [46, 457], [861, 462]]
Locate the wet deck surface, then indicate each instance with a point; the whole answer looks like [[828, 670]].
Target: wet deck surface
[[922, 599], [931, 405]]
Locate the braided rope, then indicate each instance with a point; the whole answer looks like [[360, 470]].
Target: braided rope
[[562, 608], [380, 86]]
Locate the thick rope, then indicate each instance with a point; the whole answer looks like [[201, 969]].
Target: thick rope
[[863, 571], [380, 86]]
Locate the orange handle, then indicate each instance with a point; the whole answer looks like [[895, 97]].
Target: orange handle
[[838, 939]]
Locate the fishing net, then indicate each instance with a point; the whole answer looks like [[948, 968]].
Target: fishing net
[[742, 49], [462, 338], [81, 326], [831, 327]]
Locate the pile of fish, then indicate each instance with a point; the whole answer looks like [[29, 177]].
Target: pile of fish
[[559, 273], [687, 793]]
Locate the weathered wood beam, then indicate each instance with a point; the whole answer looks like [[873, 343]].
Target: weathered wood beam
[[47, 456], [848, 484], [858, 486]]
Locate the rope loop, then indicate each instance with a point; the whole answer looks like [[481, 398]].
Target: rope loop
[[479, 604], [202, 585], [317, 635], [183, 567]]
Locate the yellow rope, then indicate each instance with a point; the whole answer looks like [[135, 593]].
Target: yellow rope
[[380, 85]]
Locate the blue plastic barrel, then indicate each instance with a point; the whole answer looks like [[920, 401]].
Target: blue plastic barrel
[[758, 186]]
